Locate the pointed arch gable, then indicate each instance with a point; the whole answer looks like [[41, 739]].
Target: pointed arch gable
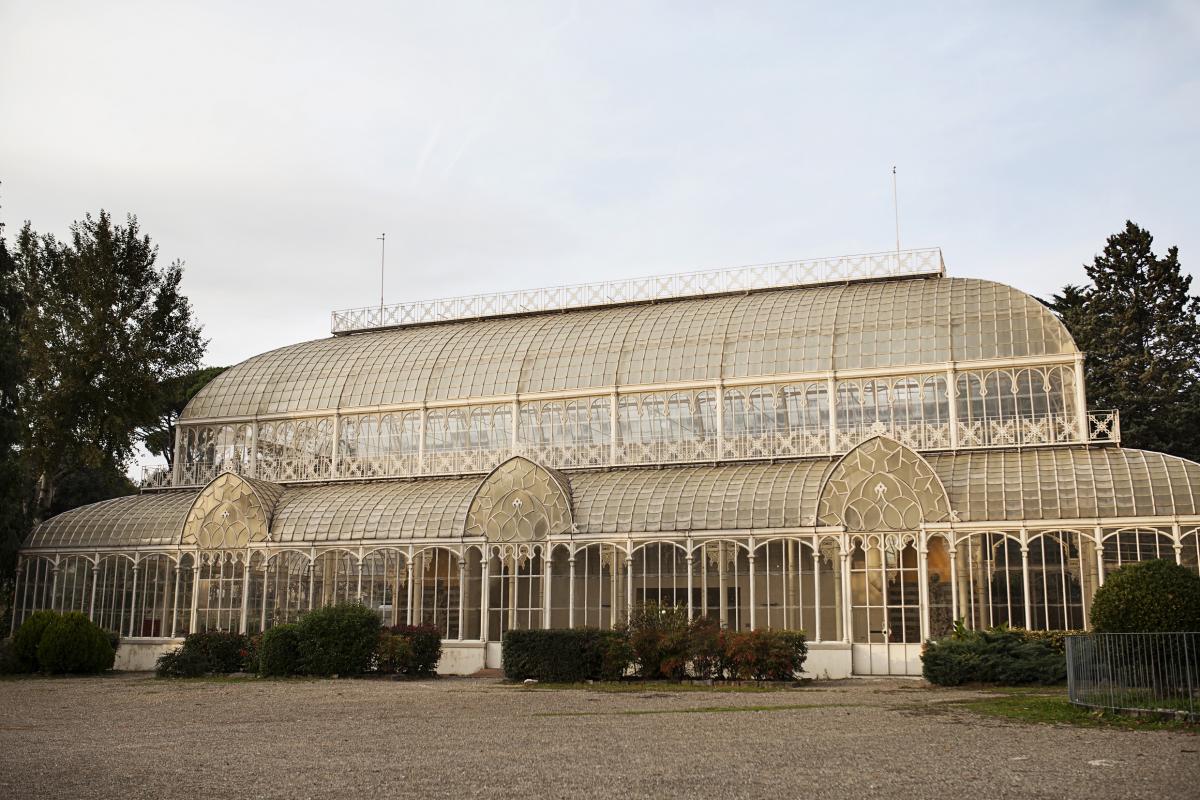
[[520, 501], [230, 513], [882, 485]]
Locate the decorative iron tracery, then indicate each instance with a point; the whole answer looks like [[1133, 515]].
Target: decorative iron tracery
[[520, 501], [230, 513], [882, 485]]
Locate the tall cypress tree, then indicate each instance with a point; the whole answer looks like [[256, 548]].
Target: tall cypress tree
[[1139, 325], [13, 475]]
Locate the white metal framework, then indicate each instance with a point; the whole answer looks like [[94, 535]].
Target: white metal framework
[[868, 461]]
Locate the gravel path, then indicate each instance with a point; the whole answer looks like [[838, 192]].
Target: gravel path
[[131, 736]]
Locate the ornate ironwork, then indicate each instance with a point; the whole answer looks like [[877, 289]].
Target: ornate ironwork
[[869, 266]]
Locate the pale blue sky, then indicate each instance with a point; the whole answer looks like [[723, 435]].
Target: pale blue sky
[[509, 145]]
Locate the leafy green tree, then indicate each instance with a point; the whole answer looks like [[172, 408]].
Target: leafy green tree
[[174, 393], [14, 479], [1139, 325], [102, 326]]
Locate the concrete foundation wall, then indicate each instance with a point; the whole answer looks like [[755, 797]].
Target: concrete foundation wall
[[139, 654], [828, 661]]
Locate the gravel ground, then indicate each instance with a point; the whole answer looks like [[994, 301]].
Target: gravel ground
[[131, 736]]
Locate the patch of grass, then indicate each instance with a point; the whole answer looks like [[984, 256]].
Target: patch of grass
[[639, 712], [1055, 709]]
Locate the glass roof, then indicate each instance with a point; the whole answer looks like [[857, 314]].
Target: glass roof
[[998, 486], [851, 326]]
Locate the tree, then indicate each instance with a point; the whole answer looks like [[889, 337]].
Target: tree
[[174, 395], [13, 477], [102, 327], [1139, 325]]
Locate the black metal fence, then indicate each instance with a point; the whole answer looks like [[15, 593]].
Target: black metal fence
[[1136, 672]]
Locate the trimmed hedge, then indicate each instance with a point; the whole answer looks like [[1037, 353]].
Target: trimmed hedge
[[999, 655], [766, 655], [217, 652], [1148, 597], [28, 638], [338, 640], [74, 644], [424, 646], [565, 655], [279, 651]]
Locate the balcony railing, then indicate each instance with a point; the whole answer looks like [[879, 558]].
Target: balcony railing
[[895, 264], [1104, 427]]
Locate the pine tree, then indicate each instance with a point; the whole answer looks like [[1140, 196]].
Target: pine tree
[[13, 477], [1139, 325]]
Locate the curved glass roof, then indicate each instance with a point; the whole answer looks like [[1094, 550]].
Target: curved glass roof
[[991, 486], [850, 326]]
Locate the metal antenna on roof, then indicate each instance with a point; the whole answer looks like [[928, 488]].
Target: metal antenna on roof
[[382, 253], [896, 210]]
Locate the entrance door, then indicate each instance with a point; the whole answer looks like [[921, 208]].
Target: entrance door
[[885, 606]]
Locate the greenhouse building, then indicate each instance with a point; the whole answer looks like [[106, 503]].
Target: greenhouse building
[[863, 448]]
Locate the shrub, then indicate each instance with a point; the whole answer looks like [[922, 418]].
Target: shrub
[[279, 651], [29, 636], [999, 655], [1148, 597], [425, 645], [394, 654], [221, 651], [658, 636], [766, 655], [1056, 639], [706, 647], [250, 653], [338, 640], [74, 644], [9, 664], [181, 663], [565, 655]]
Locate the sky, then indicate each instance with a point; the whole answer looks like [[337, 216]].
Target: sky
[[515, 145]]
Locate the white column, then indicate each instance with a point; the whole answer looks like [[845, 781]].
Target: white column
[[723, 599], [1175, 534], [253, 445], [421, 450], [245, 595], [831, 389], [546, 559], [20, 594], [816, 558], [1081, 399], [750, 560], [1099, 532], [195, 593], [516, 426], [952, 399], [335, 450], [462, 593], [690, 579], [720, 423], [1025, 579], [262, 614], [408, 567], [485, 595], [954, 615], [54, 584], [614, 429], [571, 589], [358, 593], [175, 602], [844, 556], [628, 581], [923, 580], [92, 603], [133, 602]]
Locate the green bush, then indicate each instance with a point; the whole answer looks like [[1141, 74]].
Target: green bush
[[181, 663], [564, 655], [279, 651], [29, 636], [394, 654], [9, 664], [707, 649], [1056, 639], [1148, 597], [222, 651], [999, 655], [766, 655], [338, 640], [659, 638], [425, 646], [74, 644]]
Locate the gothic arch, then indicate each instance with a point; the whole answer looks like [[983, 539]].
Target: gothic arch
[[230, 513], [520, 501], [882, 485]]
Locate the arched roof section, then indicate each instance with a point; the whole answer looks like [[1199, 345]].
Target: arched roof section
[[231, 512], [881, 485], [520, 501], [1002, 487], [849, 326]]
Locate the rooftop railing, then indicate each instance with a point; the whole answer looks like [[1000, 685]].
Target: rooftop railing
[[869, 266]]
